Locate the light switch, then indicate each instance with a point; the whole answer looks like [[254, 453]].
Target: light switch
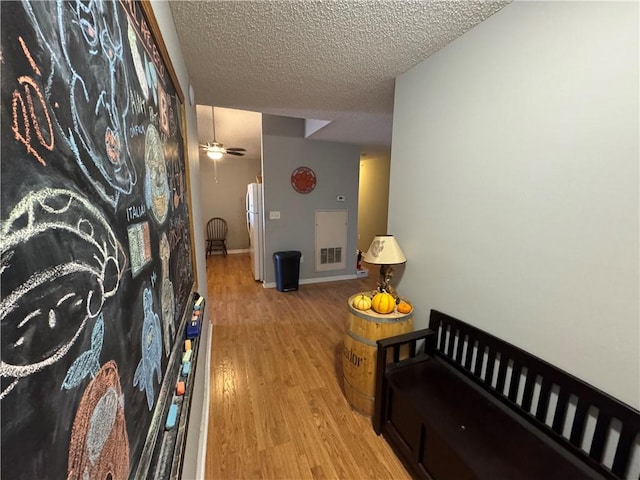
[[274, 215]]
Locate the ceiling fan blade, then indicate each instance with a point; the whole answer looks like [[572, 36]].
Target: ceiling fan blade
[[236, 149], [237, 154]]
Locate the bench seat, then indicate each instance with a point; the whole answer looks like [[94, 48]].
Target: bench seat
[[465, 427], [458, 403]]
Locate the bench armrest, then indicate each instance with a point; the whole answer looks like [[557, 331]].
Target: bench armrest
[[382, 360]]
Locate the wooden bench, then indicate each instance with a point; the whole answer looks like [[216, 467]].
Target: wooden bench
[[468, 405]]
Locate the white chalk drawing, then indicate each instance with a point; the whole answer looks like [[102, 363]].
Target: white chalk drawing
[[101, 423], [151, 350], [45, 312], [156, 182], [88, 363], [168, 301], [93, 119], [137, 60], [139, 246], [152, 78]]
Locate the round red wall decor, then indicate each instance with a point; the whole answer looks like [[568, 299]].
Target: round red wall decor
[[303, 180]]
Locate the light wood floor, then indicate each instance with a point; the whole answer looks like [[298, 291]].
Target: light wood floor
[[277, 409]]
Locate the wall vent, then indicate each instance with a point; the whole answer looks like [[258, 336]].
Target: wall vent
[[331, 255], [331, 240]]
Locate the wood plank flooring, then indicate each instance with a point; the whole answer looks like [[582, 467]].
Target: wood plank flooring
[[277, 409]]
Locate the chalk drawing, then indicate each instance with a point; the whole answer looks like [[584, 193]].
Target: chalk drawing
[[137, 60], [168, 306], [151, 350], [29, 111], [156, 183], [44, 312], [152, 78], [99, 446], [88, 363], [93, 122], [163, 111], [139, 246]]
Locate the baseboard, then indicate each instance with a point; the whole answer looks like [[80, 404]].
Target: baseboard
[[230, 252], [306, 281]]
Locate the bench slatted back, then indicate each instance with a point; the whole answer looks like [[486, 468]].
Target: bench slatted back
[[561, 405]]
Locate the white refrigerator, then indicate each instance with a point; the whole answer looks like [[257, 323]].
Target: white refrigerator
[[256, 229]]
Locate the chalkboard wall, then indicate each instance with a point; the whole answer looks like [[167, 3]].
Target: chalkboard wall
[[96, 266]]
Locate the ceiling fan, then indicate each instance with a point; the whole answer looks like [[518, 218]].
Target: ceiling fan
[[216, 150]]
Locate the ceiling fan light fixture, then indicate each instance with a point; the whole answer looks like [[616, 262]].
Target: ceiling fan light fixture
[[214, 154]]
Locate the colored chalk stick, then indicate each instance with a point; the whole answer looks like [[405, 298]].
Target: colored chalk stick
[[187, 345], [180, 388], [186, 356], [199, 301], [186, 368], [172, 416]]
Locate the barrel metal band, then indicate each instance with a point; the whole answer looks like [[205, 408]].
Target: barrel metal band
[[360, 339], [369, 318], [358, 392]]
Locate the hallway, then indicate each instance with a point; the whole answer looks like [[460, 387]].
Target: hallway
[[277, 410]]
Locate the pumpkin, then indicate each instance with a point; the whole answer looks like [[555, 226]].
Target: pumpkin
[[383, 302], [404, 307], [361, 302]]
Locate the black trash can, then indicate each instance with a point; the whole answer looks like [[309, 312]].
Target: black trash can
[[287, 270]]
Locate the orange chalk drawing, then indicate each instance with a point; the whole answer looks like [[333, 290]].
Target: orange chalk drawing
[[26, 117], [99, 446], [27, 54]]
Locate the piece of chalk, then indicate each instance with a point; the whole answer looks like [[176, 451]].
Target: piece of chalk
[[172, 416], [186, 368], [187, 345], [180, 388], [199, 301], [186, 356]]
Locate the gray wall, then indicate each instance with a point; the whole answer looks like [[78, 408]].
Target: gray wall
[[225, 197], [514, 185], [223, 182], [336, 166]]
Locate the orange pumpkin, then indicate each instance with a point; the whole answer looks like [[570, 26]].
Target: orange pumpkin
[[404, 307], [383, 302]]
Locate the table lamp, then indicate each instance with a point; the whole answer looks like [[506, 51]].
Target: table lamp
[[385, 251]]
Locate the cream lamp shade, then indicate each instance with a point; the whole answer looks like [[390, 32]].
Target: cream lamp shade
[[384, 250]]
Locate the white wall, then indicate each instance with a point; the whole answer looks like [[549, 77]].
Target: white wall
[[514, 185], [197, 432]]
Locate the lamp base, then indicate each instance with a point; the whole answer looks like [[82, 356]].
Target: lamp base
[[384, 281]]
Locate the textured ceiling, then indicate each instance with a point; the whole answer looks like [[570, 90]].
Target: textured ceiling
[[327, 60]]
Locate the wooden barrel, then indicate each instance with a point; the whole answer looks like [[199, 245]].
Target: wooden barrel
[[359, 354]]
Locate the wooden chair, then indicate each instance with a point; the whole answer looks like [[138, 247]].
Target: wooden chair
[[216, 235]]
